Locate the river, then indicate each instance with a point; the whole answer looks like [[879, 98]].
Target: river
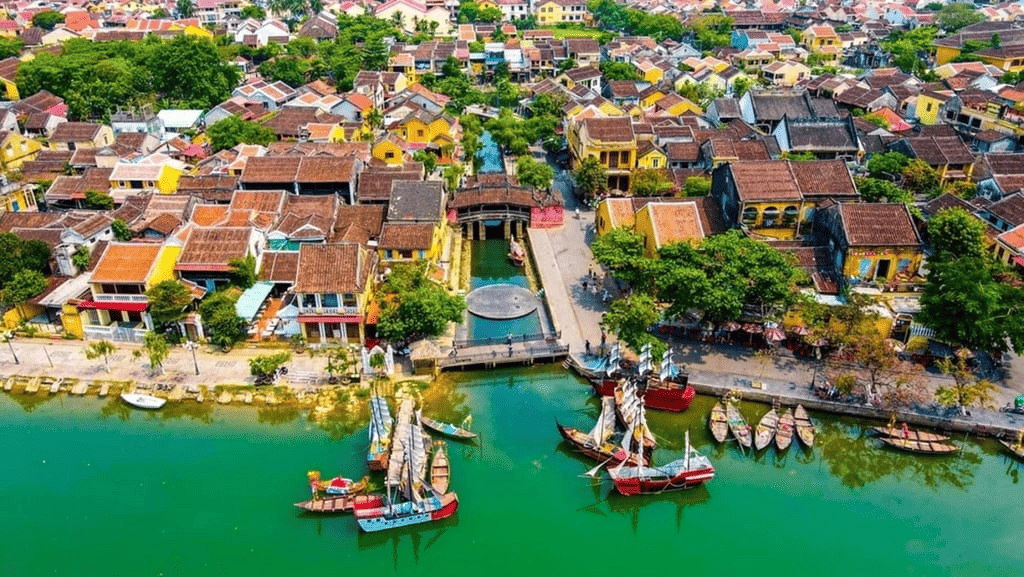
[[93, 488]]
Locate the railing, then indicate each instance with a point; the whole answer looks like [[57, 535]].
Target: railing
[[114, 333], [329, 310], [496, 356], [524, 338], [118, 298]]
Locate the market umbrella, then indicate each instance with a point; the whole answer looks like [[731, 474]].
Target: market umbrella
[[774, 335], [753, 330], [731, 326], [799, 330]]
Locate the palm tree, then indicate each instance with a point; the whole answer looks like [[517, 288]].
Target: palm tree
[[101, 349]]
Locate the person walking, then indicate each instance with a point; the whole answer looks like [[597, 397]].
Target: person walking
[[587, 343]]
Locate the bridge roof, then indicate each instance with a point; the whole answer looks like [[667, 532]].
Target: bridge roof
[[493, 195]]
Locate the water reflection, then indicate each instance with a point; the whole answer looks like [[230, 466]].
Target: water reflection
[[344, 417], [858, 460], [420, 537], [30, 402], [444, 401], [631, 506], [278, 414]]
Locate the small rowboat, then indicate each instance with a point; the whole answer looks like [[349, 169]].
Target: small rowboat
[[804, 426], [927, 447], [141, 401], [909, 434], [447, 429], [718, 422], [327, 505], [784, 434], [1016, 448], [739, 427], [765, 430], [440, 472]]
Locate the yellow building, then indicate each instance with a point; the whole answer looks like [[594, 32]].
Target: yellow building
[[665, 223], [15, 150], [333, 290], [551, 12], [158, 176], [872, 243], [785, 72], [650, 156], [928, 105], [17, 199], [389, 148], [818, 38], [10, 89], [610, 141], [762, 197], [614, 213], [649, 97]]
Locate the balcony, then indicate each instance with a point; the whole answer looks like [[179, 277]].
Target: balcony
[[133, 333], [119, 298], [343, 310]]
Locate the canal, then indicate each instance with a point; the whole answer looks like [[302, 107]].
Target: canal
[[92, 488], [489, 264]]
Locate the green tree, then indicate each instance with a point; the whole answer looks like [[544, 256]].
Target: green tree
[[590, 178], [243, 271], [414, 306], [221, 320], [650, 182], [966, 301], [967, 389], [920, 178], [539, 175], [879, 190], [266, 365], [189, 72], [697, 186], [121, 230], [24, 285], [712, 31], [184, 8], [96, 200], [254, 11], [168, 301], [375, 54], [10, 47], [233, 131], [628, 318], [955, 16], [612, 70], [97, 349], [887, 165], [428, 160], [962, 188], [292, 70], [955, 233], [47, 19], [453, 176], [156, 349], [17, 254], [621, 251], [81, 257]]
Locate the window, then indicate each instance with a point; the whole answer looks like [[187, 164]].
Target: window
[[749, 215], [928, 108], [419, 133], [309, 301], [770, 216], [654, 162], [389, 154], [789, 214], [329, 300], [349, 300]]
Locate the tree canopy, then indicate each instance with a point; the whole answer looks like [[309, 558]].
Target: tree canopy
[[590, 177], [232, 131], [415, 306], [539, 175], [23, 264], [956, 15], [955, 233], [168, 301]]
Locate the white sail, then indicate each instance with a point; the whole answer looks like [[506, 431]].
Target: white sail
[[399, 439], [644, 367], [668, 366], [605, 421]]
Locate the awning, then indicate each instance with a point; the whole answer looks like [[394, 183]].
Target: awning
[[114, 306], [252, 299], [330, 319]]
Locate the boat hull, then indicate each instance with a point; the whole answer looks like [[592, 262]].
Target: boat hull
[[378, 462], [664, 397], [328, 505], [923, 447], [1017, 450], [374, 515], [910, 434], [140, 401], [738, 426], [574, 438], [631, 486], [447, 429], [718, 423]]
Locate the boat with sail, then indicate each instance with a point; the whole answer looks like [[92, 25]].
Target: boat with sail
[[410, 498], [516, 252], [718, 422], [784, 433], [804, 426], [738, 425], [598, 444], [381, 424], [692, 470], [631, 411], [668, 390], [447, 429], [764, 432]]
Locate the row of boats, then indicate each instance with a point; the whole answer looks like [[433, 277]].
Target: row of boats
[[416, 468], [726, 418], [621, 440]]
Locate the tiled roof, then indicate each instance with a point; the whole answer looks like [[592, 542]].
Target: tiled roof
[[375, 183], [271, 169], [937, 150], [333, 268], [75, 132], [358, 223], [280, 266], [1010, 209], [878, 224], [406, 236], [126, 263], [416, 201], [765, 180], [675, 222], [614, 129], [269, 201], [210, 249], [823, 178], [945, 201]]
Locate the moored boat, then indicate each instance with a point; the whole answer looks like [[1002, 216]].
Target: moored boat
[[598, 443], [765, 430], [718, 422], [784, 433], [926, 447], [804, 426], [328, 505], [335, 495], [906, 432], [690, 471], [516, 253], [630, 410], [141, 401], [440, 470], [738, 425], [667, 391], [381, 425], [1014, 447], [448, 429]]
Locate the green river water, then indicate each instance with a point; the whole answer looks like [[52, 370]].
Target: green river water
[[92, 488]]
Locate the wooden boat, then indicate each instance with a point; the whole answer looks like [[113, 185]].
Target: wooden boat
[[381, 425], [333, 496], [905, 432], [1014, 447], [739, 427], [804, 426], [718, 422], [784, 433], [630, 409], [141, 401], [516, 253], [410, 498], [690, 471], [440, 472], [447, 429], [607, 451], [765, 430], [667, 390], [926, 447]]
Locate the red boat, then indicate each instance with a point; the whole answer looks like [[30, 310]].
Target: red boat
[[658, 394], [377, 513], [684, 473]]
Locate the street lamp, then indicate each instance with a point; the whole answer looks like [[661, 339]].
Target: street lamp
[[8, 336], [192, 346]]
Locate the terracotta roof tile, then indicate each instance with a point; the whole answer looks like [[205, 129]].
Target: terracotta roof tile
[[878, 224], [210, 249], [333, 268], [126, 263], [280, 266], [406, 236]]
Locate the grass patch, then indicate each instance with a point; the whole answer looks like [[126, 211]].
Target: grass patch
[[560, 33]]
